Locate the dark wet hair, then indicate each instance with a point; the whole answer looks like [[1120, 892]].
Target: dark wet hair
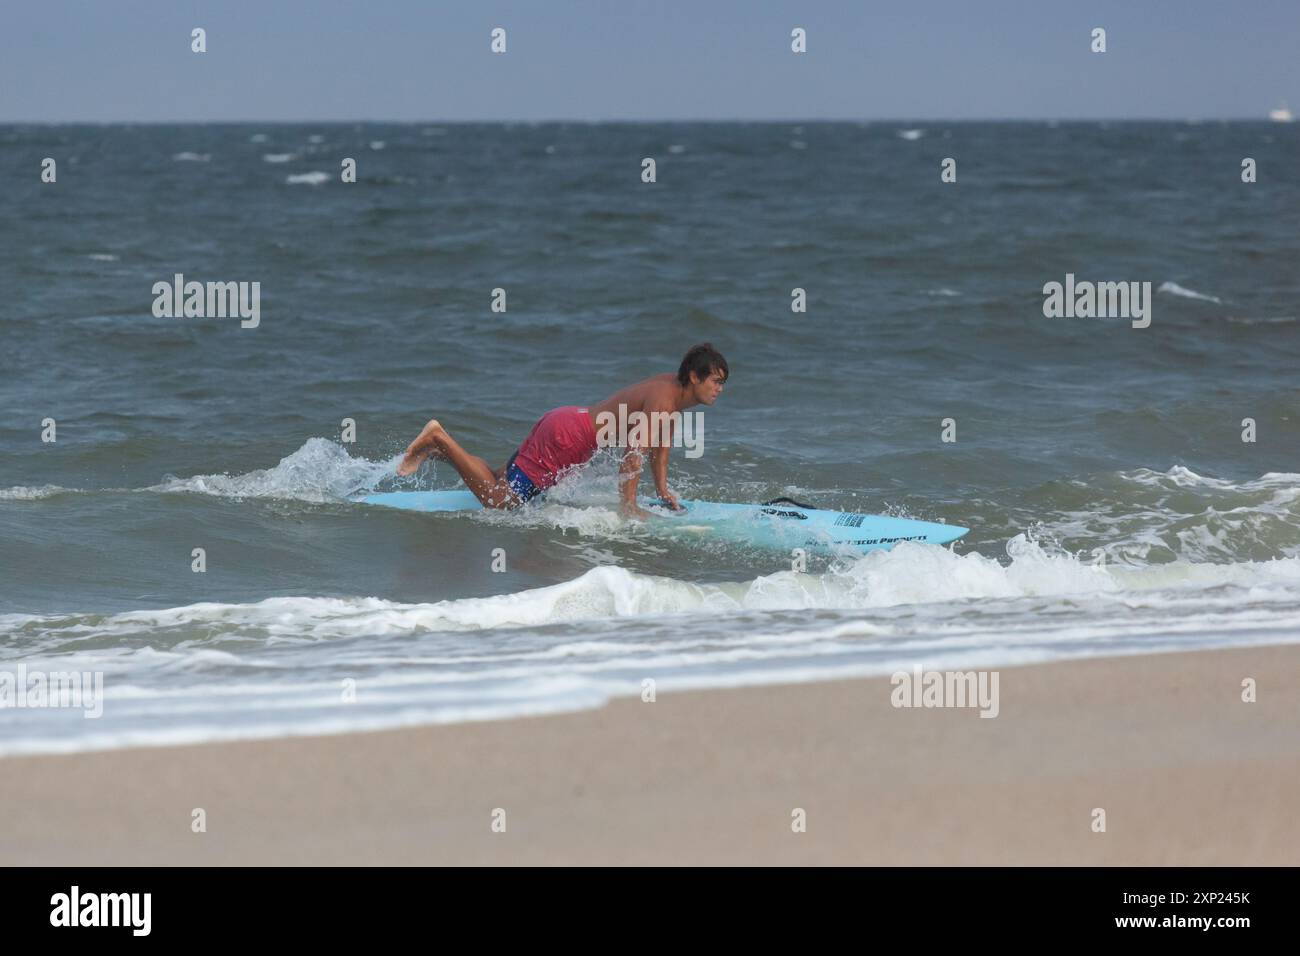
[[703, 360]]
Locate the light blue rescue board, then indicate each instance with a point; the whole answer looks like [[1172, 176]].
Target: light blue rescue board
[[780, 523]]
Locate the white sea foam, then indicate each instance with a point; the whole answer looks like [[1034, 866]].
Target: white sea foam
[[1155, 517], [315, 178], [910, 575], [1174, 578], [1262, 320], [321, 470], [1184, 477], [32, 493], [1173, 288], [223, 671]]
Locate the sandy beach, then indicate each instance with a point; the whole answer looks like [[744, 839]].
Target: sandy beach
[[1186, 772]]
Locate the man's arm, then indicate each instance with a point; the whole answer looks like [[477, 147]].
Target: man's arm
[[662, 419], [657, 429], [659, 468], [629, 476]]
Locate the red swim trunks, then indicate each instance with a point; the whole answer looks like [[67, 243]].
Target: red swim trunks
[[564, 437]]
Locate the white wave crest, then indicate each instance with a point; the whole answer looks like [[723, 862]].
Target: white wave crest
[[1173, 288]]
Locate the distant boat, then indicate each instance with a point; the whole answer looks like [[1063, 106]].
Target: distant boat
[[1280, 115]]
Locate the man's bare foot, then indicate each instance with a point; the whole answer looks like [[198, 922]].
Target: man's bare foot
[[635, 513], [424, 446]]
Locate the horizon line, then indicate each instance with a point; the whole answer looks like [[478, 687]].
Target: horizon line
[[611, 121]]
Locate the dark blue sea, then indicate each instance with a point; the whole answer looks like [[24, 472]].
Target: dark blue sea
[[1114, 505]]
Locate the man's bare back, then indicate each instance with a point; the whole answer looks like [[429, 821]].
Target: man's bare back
[[658, 393]]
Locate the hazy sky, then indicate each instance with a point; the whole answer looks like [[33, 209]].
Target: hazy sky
[[108, 60]]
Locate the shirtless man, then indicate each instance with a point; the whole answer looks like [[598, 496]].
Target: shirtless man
[[566, 436]]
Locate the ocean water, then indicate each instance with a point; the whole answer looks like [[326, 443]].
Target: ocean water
[[1114, 507]]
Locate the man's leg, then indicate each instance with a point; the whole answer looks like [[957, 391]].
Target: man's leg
[[489, 487]]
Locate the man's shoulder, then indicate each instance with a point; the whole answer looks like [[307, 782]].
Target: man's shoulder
[[660, 389], [647, 394]]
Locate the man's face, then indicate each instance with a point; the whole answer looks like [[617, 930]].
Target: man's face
[[708, 389]]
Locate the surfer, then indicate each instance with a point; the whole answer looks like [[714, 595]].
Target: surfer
[[565, 437]]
